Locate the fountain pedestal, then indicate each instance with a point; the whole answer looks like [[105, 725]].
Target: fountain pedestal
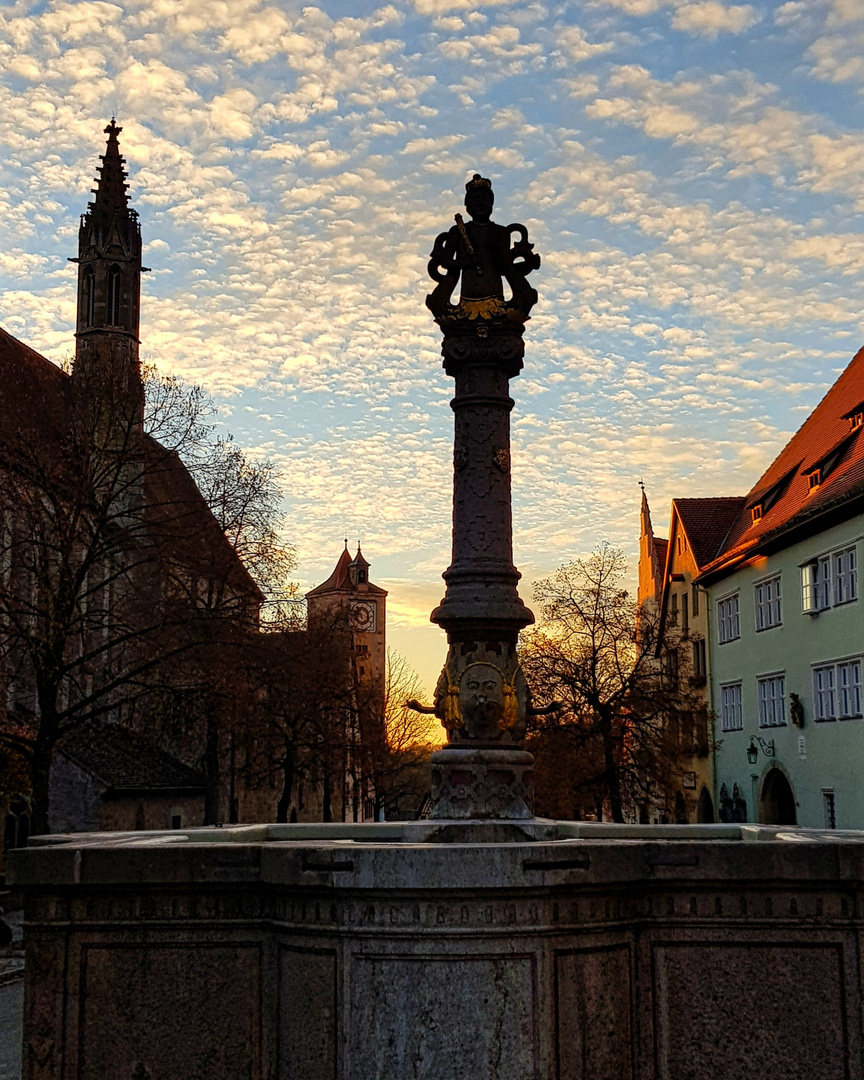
[[340, 952]]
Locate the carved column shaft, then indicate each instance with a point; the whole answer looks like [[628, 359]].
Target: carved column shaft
[[481, 579]]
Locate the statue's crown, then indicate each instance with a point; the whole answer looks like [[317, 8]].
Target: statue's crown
[[478, 181]]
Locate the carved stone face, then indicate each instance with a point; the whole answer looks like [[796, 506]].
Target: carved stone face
[[479, 202], [481, 699]]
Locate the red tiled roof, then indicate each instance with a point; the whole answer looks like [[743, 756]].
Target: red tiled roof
[[660, 547], [795, 503], [706, 523]]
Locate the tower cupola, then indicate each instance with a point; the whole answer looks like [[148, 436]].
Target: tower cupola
[[358, 569]]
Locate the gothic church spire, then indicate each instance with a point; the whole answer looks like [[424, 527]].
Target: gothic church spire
[[109, 281]]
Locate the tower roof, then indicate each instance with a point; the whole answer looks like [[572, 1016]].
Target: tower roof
[[340, 579], [110, 191], [358, 559]]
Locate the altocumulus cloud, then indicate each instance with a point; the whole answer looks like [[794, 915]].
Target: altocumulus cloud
[[695, 201]]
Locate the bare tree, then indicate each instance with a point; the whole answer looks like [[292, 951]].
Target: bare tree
[[398, 742], [113, 572], [630, 720]]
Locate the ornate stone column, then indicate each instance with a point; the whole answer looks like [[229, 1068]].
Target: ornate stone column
[[481, 697]]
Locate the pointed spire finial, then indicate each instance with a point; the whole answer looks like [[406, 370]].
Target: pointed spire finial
[[111, 197], [346, 543]]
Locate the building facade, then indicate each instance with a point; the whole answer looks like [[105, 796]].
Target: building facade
[[788, 634], [784, 625], [668, 569]]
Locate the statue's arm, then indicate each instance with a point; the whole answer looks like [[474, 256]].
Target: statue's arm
[[417, 706], [546, 710]]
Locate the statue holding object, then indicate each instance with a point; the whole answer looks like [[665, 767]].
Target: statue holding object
[[484, 255]]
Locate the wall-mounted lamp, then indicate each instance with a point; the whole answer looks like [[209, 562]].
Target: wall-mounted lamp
[[753, 749]]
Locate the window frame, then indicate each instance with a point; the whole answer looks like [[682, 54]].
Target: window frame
[[830, 579], [733, 620], [771, 703], [737, 712], [770, 605], [844, 696]]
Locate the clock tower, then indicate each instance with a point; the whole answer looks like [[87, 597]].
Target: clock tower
[[349, 594]]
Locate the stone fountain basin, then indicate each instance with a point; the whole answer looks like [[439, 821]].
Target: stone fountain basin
[[329, 952]]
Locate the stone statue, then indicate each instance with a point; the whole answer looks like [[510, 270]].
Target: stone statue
[[796, 710], [482, 698], [484, 255]]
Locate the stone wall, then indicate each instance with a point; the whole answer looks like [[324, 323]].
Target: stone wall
[[363, 953]]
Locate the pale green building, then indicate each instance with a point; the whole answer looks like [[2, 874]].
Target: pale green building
[[786, 629]]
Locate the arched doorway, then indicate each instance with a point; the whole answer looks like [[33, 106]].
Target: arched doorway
[[705, 808], [778, 801]]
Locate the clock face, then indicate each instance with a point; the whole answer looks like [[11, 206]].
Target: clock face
[[363, 616]]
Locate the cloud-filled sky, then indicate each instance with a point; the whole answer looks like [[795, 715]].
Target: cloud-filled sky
[[691, 172]]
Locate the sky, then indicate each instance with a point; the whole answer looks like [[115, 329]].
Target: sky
[[690, 171]]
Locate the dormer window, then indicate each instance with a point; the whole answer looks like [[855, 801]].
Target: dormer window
[[855, 417], [814, 478], [756, 513]]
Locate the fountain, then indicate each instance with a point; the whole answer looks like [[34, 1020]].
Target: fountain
[[484, 943]]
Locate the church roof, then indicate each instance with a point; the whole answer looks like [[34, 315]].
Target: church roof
[[784, 503], [35, 401], [123, 761], [25, 376]]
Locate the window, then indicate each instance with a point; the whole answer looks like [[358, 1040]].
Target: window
[[814, 478], [673, 609], [87, 298], [829, 808], [114, 296], [829, 580], [837, 690], [727, 619], [700, 667], [671, 667], [845, 576], [685, 613], [772, 701], [767, 596], [694, 605], [849, 688], [730, 707], [756, 513], [824, 698], [856, 420]]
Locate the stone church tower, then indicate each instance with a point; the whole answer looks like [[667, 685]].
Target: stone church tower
[[109, 282]]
